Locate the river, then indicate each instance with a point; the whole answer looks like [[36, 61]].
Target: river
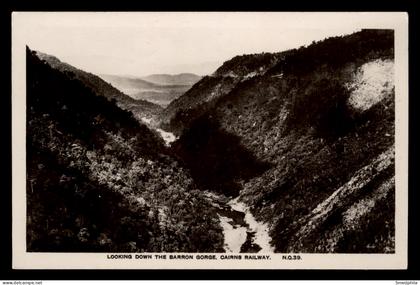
[[242, 232], [168, 137]]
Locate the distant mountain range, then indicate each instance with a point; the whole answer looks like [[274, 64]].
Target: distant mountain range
[[140, 108], [176, 79], [160, 89]]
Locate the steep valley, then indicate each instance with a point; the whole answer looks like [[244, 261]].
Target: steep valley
[[274, 152], [314, 133]]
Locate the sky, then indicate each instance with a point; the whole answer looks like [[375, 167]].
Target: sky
[[139, 44]]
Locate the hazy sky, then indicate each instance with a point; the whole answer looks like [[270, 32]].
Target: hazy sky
[[145, 43]]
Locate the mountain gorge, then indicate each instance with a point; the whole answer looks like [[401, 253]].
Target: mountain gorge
[[319, 123], [290, 151]]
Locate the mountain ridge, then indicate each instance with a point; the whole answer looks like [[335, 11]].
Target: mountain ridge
[[184, 78]]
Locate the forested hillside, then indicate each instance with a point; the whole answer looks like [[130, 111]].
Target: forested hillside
[[313, 130], [98, 180], [290, 151], [204, 94]]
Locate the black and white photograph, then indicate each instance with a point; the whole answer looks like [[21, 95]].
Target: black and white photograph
[[251, 138]]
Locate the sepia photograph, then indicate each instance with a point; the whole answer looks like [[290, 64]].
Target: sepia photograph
[[209, 140]]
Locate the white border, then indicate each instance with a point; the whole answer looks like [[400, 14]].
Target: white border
[[24, 260]]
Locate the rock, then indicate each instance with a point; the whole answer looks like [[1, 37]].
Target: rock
[[83, 235]]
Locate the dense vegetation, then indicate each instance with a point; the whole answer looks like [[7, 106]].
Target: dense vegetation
[[97, 180], [242, 65], [337, 51], [304, 137], [298, 113], [196, 101]]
